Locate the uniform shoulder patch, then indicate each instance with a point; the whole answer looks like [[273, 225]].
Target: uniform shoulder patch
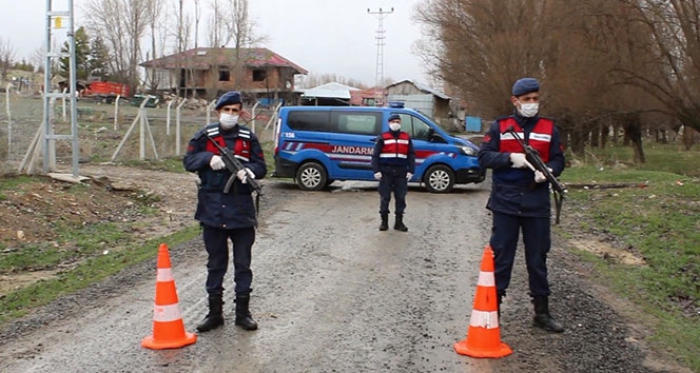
[[244, 132], [199, 134], [211, 130]]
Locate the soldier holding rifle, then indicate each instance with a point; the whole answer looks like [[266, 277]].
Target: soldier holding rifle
[[225, 207], [519, 197]]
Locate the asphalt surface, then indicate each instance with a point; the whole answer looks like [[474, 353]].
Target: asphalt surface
[[333, 294]]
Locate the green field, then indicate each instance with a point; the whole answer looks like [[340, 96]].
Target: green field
[[657, 216]]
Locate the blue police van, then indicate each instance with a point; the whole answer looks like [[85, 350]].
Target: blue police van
[[317, 145]]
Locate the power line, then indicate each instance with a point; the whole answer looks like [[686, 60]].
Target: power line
[[380, 36]]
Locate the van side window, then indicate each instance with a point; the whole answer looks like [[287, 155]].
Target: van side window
[[415, 127], [357, 123], [317, 121]]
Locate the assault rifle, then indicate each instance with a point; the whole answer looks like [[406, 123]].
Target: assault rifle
[[533, 156], [233, 165]]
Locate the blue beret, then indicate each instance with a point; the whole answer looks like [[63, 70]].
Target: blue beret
[[228, 98], [394, 117], [525, 85]]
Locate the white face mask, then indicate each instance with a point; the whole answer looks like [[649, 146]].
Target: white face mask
[[394, 126], [228, 121], [529, 110]]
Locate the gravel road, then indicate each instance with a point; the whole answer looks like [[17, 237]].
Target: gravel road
[[333, 294]]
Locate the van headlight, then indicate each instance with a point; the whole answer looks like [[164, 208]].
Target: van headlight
[[468, 151]]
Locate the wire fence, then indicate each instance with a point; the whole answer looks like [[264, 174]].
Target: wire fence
[[120, 131]]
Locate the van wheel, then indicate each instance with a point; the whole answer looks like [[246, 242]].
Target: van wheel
[[439, 179], [311, 176]]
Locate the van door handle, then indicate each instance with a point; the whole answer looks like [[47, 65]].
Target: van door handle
[[373, 139]]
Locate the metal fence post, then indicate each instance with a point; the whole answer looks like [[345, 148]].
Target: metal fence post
[[167, 111], [116, 113], [252, 113], [178, 128], [63, 102], [210, 107], [9, 119]]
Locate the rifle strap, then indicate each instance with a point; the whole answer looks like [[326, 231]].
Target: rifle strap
[[558, 202], [257, 204]]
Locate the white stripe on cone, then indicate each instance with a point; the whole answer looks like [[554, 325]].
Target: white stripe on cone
[[486, 279], [483, 319], [166, 313], [164, 274]]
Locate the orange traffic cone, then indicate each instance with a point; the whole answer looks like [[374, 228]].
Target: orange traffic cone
[[168, 328], [484, 334]]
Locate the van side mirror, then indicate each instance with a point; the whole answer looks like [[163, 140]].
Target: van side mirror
[[435, 137]]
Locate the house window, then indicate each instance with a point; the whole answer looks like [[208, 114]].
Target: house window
[[259, 75], [224, 74]]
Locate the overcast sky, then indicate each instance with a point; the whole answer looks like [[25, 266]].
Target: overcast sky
[[323, 36]]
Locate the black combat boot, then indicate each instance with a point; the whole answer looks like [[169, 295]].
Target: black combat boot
[[385, 222], [215, 317], [243, 317], [542, 317], [398, 225]]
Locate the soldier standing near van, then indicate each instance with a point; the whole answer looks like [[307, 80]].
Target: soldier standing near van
[[520, 196], [393, 163], [225, 216]]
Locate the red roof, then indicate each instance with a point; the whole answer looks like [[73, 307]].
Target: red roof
[[204, 58]]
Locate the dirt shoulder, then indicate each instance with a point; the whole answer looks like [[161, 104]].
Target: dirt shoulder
[[34, 214]]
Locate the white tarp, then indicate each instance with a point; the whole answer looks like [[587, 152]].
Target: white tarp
[[330, 90]]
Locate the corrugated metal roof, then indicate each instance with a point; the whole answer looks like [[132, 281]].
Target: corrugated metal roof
[[422, 88], [422, 103]]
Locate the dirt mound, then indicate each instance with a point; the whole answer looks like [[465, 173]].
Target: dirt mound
[[35, 213]]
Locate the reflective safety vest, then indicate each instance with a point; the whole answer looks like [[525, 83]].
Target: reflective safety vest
[[241, 148], [395, 147], [540, 137]]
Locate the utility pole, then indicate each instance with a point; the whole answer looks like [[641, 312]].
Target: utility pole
[[379, 76], [55, 20]]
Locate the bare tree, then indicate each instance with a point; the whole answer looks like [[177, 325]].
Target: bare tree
[[197, 17], [574, 48], [216, 25], [231, 24], [182, 27], [672, 44], [484, 45], [37, 58], [154, 14], [122, 24], [7, 57]]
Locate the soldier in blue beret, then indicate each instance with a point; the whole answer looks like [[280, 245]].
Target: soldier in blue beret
[[520, 197], [225, 216]]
